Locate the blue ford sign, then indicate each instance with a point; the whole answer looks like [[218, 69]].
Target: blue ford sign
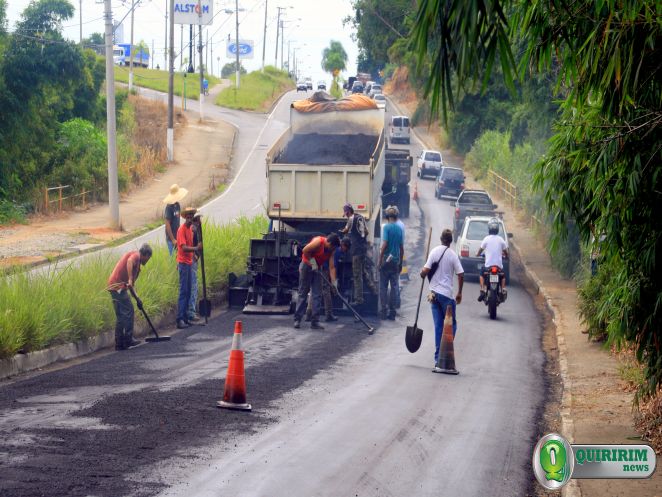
[[245, 49]]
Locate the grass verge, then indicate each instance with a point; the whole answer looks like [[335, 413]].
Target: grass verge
[[257, 90], [70, 302], [158, 80]]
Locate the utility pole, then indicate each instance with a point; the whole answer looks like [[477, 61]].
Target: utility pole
[[131, 48], [113, 190], [236, 12], [80, 14], [207, 53], [190, 49], [170, 137], [165, 45], [152, 57], [181, 46], [277, 33], [202, 89], [282, 38], [264, 40]]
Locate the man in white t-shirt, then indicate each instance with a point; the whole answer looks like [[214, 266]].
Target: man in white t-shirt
[[443, 262], [495, 249]]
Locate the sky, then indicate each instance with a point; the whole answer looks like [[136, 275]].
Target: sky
[[310, 25]]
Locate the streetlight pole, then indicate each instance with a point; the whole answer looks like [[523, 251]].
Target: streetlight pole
[[131, 48], [264, 40], [113, 189], [170, 137], [80, 16], [277, 34], [282, 39], [165, 50], [202, 89], [236, 12]]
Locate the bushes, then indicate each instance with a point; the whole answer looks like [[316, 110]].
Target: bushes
[[70, 302], [257, 90]]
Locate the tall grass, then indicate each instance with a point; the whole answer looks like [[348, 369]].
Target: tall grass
[[70, 302], [158, 80], [257, 90]]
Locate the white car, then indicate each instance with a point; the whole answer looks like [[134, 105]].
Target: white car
[[375, 90], [473, 232], [380, 100], [429, 163]]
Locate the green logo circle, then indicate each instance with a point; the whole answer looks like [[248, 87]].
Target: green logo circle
[[553, 461]]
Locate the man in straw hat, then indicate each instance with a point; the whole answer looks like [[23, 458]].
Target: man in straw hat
[[171, 214], [185, 251]]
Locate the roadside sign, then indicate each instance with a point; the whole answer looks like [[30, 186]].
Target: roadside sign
[[246, 50], [194, 12]]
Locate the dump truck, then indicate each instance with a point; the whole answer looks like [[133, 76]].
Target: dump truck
[[331, 154]]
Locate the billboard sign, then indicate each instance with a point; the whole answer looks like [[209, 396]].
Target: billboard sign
[[194, 12], [246, 49]]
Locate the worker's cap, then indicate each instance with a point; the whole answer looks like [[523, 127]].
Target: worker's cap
[[347, 209], [189, 211]]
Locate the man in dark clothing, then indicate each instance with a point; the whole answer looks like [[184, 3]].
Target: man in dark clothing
[[357, 230], [171, 215], [313, 256], [122, 278], [185, 251]]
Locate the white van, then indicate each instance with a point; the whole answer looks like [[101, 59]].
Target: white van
[[398, 129]]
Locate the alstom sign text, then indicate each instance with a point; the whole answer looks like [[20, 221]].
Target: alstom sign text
[[194, 12]]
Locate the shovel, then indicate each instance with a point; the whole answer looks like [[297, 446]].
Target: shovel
[[414, 335], [371, 330], [156, 337], [204, 305]]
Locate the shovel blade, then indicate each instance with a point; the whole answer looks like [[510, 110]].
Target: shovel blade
[[204, 308], [413, 338]]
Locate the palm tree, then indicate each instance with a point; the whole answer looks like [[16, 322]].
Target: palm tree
[[334, 60]]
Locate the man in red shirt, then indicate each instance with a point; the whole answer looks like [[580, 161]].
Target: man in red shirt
[[185, 250], [319, 250], [122, 278]]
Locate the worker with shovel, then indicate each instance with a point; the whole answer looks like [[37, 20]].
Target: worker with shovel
[[442, 263], [121, 280]]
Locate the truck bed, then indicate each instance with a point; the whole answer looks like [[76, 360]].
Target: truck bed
[[321, 150]]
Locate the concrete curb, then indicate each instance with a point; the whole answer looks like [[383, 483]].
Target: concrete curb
[[567, 425]]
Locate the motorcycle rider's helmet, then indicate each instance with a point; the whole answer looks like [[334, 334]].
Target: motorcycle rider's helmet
[[493, 226]]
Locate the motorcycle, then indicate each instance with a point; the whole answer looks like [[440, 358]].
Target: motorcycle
[[494, 293]]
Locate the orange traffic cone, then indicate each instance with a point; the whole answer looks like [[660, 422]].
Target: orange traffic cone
[[446, 361], [415, 195], [234, 396]]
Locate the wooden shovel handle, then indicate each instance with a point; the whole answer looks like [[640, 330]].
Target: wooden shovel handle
[[420, 294]]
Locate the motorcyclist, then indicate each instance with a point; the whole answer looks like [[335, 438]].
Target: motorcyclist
[[495, 249]]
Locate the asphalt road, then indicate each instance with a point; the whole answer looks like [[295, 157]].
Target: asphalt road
[[336, 412]]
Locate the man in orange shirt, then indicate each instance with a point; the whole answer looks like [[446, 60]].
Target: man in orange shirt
[[123, 277], [185, 250], [319, 250]]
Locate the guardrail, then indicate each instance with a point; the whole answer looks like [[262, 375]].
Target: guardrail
[[505, 188]]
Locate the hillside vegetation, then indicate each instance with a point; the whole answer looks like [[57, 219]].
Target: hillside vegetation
[[257, 90]]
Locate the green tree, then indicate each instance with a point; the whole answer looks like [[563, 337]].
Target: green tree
[[231, 68], [334, 61], [603, 172]]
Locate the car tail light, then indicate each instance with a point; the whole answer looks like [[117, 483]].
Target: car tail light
[[461, 186], [494, 270], [457, 213], [464, 251], [360, 207]]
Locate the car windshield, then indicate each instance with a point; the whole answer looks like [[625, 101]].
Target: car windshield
[[433, 156], [477, 230], [452, 174], [379, 96], [474, 198], [376, 87]]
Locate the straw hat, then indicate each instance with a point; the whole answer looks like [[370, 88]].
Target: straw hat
[[176, 194], [188, 211]]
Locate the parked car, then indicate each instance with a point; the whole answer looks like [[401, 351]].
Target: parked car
[[301, 86], [321, 85], [450, 182], [468, 242], [471, 203], [367, 87], [429, 163], [398, 130], [374, 90], [309, 83], [357, 87], [380, 100]]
